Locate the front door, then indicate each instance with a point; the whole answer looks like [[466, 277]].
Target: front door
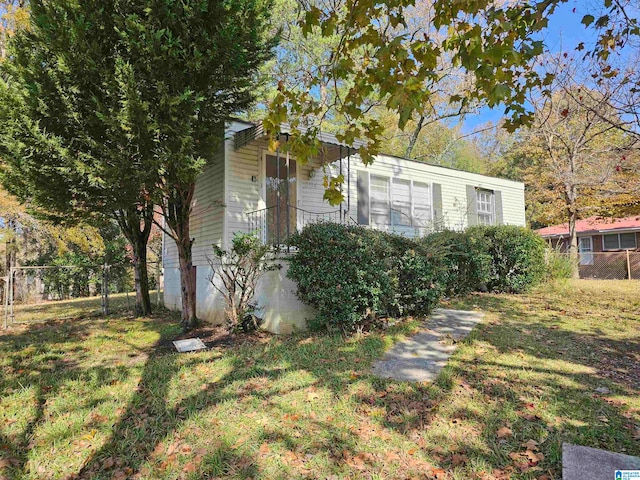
[[280, 198], [585, 247]]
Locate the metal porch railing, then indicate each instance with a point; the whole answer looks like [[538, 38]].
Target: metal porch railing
[[275, 225]]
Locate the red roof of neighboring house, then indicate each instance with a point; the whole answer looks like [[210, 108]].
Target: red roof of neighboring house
[[593, 224]]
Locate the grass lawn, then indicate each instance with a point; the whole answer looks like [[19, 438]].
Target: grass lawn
[[75, 308], [107, 398]]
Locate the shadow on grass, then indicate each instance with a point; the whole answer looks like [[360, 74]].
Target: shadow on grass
[[539, 390], [49, 357], [45, 357]]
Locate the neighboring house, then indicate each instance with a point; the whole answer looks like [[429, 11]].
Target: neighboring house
[[251, 189], [602, 245]]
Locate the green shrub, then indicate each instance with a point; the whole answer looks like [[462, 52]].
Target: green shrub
[[343, 272], [418, 287], [352, 275], [465, 260], [235, 275], [517, 256]]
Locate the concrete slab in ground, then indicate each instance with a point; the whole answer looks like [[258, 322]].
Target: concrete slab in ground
[[421, 357], [584, 463]]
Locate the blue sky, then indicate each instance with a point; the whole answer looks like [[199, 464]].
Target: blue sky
[[564, 33]]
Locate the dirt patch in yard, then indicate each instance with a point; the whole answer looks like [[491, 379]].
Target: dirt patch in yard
[[215, 336]]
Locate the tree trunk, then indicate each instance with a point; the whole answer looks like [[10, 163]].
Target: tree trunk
[[188, 286], [141, 278], [573, 242], [177, 213], [136, 227]]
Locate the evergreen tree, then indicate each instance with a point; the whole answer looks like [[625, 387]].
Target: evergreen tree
[[114, 106]]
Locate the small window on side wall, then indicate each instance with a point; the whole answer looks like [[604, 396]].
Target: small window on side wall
[[485, 207], [619, 241], [628, 241]]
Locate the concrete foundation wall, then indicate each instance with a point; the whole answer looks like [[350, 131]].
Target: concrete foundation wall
[[278, 304]]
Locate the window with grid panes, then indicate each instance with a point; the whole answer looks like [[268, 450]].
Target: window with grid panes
[[485, 207], [401, 201], [379, 200]]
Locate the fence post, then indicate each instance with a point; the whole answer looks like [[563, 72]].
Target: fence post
[[12, 274], [105, 289], [6, 302], [628, 266], [158, 282]]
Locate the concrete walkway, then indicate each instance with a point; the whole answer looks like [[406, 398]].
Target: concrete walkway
[[584, 463], [420, 358]]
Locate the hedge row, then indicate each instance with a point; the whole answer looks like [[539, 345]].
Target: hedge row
[[353, 275]]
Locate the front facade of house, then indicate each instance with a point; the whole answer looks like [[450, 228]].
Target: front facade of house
[[603, 245], [251, 189]]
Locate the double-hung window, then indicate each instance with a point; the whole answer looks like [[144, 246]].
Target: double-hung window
[[485, 207], [422, 205], [399, 202], [379, 199], [619, 241]]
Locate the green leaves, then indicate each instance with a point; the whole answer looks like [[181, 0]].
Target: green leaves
[[587, 20], [388, 54], [332, 189]]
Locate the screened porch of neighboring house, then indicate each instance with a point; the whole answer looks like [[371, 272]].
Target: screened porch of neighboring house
[[292, 194]]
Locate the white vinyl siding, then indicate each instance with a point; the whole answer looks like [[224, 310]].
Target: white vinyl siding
[[619, 241], [227, 192], [485, 206], [207, 216], [453, 205]]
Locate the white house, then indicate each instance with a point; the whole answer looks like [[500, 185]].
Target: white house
[[249, 188]]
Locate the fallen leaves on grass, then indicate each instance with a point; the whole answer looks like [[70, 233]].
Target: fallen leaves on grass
[[6, 462], [312, 394], [528, 460], [458, 459], [504, 432], [438, 473]]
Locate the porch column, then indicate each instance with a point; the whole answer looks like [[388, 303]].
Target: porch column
[[277, 192], [348, 181], [288, 219], [341, 212]]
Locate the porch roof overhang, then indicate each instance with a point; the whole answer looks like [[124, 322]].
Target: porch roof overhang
[[330, 141]]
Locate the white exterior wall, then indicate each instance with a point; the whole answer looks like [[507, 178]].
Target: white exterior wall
[[207, 228], [454, 188], [243, 193], [234, 186]]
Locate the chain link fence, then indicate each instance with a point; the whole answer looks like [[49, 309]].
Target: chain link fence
[[623, 265], [62, 292]]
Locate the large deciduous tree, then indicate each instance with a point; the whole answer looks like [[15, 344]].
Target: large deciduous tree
[[573, 162], [379, 58]]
